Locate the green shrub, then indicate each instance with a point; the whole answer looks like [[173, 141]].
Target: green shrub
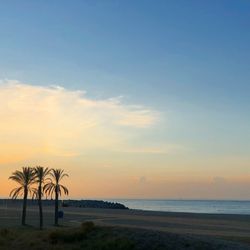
[[71, 236], [4, 232], [53, 236], [87, 226], [118, 244], [90, 237]]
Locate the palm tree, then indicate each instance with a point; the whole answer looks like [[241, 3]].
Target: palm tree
[[41, 175], [54, 187], [25, 179]]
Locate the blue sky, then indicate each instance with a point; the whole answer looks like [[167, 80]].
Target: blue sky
[[188, 60], [175, 49]]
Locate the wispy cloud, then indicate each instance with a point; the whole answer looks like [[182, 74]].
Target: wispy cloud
[[162, 149], [59, 121]]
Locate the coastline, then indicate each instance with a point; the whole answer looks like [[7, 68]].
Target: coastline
[[189, 206], [226, 227], [230, 207], [179, 222]]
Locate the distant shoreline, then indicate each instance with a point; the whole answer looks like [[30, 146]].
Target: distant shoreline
[[66, 203], [189, 206], [175, 206]]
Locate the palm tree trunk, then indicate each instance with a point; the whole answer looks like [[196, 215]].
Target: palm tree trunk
[[25, 195], [40, 206], [56, 207]]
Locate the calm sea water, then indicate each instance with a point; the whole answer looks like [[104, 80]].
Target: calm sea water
[[189, 206]]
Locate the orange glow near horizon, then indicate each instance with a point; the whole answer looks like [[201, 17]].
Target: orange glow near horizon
[[96, 142]]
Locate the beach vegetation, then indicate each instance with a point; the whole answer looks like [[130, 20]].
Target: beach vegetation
[[24, 178], [54, 187], [41, 177]]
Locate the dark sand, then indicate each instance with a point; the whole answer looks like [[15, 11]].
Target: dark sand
[[208, 227]]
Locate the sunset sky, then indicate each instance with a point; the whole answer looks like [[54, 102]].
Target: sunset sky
[[134, 99]]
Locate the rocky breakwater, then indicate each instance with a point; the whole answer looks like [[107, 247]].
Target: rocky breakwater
[[93, 204]]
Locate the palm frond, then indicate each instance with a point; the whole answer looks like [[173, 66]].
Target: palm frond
[[49, 188], [55, 177], [16, 192], [65, 190], [24, 178]]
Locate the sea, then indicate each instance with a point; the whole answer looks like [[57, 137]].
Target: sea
[[188, 206]]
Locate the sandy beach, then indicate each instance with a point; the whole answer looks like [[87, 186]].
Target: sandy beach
[[234, 228]]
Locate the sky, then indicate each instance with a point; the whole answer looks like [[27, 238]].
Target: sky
[[134, 99]]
